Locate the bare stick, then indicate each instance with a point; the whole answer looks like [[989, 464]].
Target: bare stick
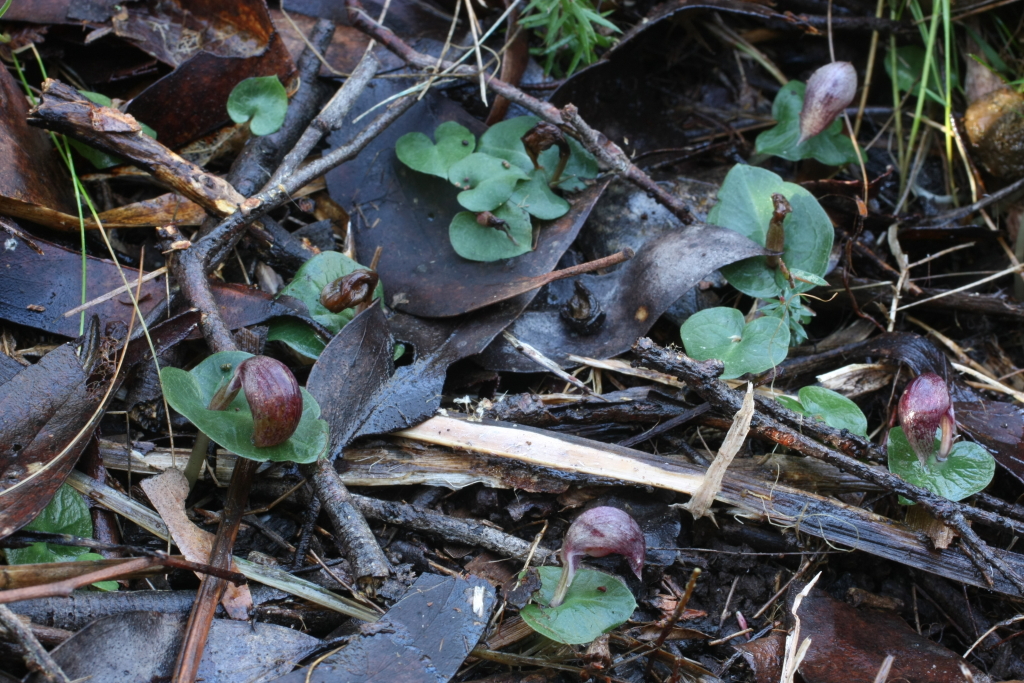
[[36, 658], [201, 617], [468, 531], [352, 533], [329, 119], [67, 586]]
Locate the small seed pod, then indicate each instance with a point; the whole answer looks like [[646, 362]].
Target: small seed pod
[[924, 408], [273, 395], [599, 532], [486, 219], [349, 290], [830, 90], [541, 138], [582, 313], [775, 239]]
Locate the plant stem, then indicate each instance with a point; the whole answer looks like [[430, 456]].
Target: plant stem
[[194, 466]]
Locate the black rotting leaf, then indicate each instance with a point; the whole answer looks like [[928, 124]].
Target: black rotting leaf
[[360, 390], [423, 274], [424, 638], [35, 292], [633, 296], [142, 646], [237, 44], [35, 289], [47, 414], [351, 372]]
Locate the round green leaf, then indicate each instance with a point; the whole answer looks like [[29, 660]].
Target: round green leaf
[[721, 333], [968, 469], [309, 281], [66, 513], [454, 143], [297, 335], [833, 409], [502, 140], [595, 604], [537, 199], [831, 146], [745, 205], [262, 100], [101, 585], [190, 392], [479, 243], [828, 406], [487, 181]]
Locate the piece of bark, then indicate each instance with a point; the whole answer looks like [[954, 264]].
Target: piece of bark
[[167, 493], [712, 482]]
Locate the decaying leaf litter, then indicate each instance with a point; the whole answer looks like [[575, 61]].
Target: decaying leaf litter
[[570, 310]]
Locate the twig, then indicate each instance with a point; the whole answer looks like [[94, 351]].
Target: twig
[[548, 364], [468, 531], [36, 658], [676, 613], [65, 587], [668, 425], [353, 535], [330, 118], [211, 589]]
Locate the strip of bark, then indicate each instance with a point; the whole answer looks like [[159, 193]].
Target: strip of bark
[[734, 438]]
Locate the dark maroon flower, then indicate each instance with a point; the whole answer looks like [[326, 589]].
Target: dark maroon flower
[[924, 408], [349, 290], [273, 395], [598, 532], [830, 90]]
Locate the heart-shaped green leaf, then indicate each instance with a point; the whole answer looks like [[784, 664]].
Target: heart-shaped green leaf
[[503, 140], [190, 392], [309, 281], [66, 513], [479, 243], [743, 347], [487, 182], [745, 205], [968, 469], [537, 199], [454, 143], [596, 603], [830, 407], [831, 147], [262, 101]]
